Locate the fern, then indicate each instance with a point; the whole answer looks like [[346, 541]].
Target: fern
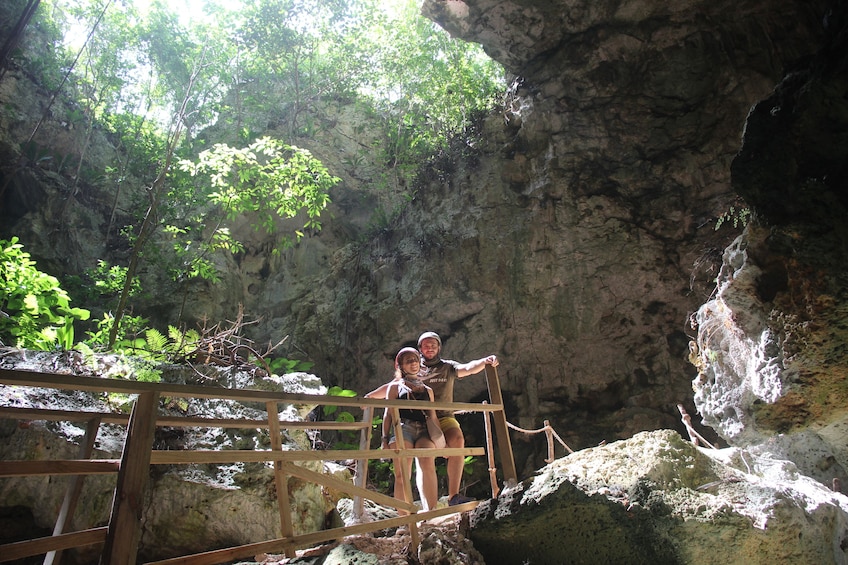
[[741, 216], [156, 342], [182, 341]]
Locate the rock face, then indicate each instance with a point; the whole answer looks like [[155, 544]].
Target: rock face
[[771, 355], [656, 498], [577, 237]]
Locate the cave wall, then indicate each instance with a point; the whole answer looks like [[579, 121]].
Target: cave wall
[[577, 237], [772, 353], [574, 235]]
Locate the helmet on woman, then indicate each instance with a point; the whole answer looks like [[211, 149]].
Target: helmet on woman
[[403, 352]]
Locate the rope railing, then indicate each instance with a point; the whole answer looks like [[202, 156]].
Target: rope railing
[[551, 435], [693, 434], [549, 431]]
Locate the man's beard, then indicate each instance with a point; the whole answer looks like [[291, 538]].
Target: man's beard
[[430, 362]]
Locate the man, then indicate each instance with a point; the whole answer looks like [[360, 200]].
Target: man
[[442, 374]]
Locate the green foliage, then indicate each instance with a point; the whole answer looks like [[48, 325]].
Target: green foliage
[[128, 367], [142, 348], [139, 139], [137, 340], [330, 410], [251, 67], [129, 329], [39, 52], [109, 279], [741, 216], [193, 256], [106, 70], [346, 439], [380, 474], [427, 85], [35, 312], [422, 84], [268, 179], [145, 370], [467, 467], [281, 365]]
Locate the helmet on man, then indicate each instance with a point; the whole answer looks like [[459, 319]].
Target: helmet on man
[[403, 352], [432, 335]]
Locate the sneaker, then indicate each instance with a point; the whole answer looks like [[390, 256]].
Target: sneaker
[[459, 499]]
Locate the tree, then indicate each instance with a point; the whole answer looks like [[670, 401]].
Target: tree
[[267, 179], [156, 85]]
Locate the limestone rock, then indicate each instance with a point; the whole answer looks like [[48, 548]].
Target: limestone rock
[[656, 498], [770, 348]]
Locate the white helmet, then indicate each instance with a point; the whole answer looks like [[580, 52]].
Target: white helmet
[[426, 335]]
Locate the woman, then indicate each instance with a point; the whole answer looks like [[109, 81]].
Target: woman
[[407, 385]]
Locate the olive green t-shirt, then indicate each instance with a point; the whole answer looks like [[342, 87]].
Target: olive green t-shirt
[[441, 376]]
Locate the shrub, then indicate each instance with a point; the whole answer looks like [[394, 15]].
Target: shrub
[[35, 312]]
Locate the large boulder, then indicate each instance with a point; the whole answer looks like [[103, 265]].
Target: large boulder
[[656, 498]]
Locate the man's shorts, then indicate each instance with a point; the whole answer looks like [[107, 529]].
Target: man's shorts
[[448, 423]]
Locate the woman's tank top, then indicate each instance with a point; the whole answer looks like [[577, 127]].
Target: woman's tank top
[[406, 393]]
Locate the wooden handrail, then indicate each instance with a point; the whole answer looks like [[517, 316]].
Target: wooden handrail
[[17, 413], [185, 457], [122, 537], [305, 540], [28, 548], [175, 421], [59, 467], [96, 384]]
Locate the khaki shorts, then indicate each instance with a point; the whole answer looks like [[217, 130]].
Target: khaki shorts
[[448, 423]]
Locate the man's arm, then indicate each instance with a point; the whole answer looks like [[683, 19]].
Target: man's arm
[[474, 367]]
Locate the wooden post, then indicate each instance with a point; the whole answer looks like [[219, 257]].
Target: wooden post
[[490, 454], [362, 464], [281, 478], [549, 435], [501, 429], [66, 513], [406, 472], [124, 531]]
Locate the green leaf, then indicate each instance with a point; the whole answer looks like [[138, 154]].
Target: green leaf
[[339, 391], [345, 417]]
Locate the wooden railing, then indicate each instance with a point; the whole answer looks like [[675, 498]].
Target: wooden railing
[[121, 537]]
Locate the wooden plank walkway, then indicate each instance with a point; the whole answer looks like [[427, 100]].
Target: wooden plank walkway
[[120, 538]]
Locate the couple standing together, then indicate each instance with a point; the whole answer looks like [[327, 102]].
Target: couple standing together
[[414, 368]]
